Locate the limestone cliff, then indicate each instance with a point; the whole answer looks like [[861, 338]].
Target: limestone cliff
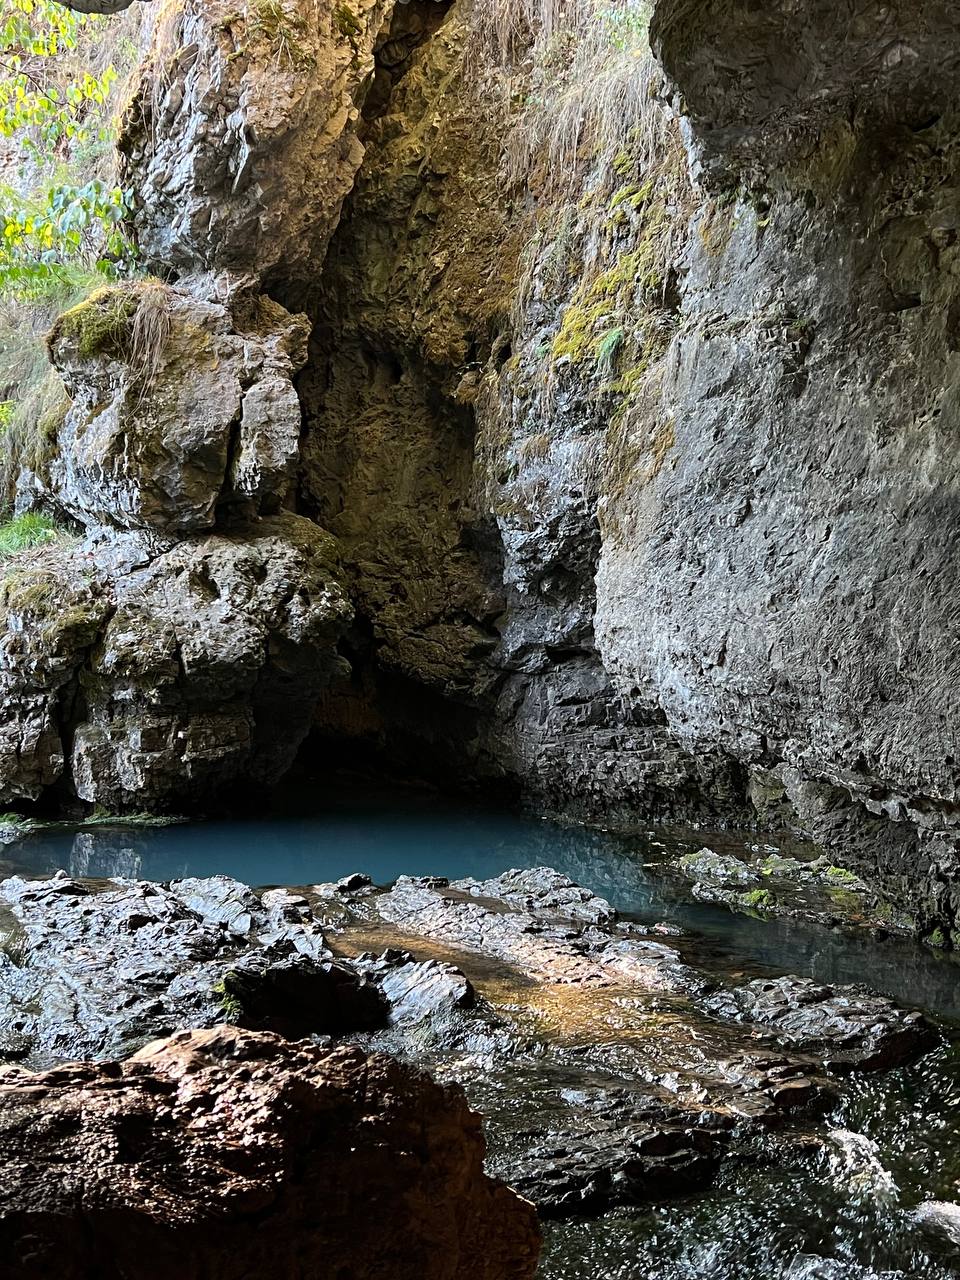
[[639, 464]]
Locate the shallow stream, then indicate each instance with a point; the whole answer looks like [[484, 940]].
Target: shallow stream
[[826, 1211]]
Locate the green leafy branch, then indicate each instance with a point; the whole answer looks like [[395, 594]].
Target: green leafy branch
[[39, 237]]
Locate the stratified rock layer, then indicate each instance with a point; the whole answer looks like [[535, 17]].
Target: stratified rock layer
[[226, 1154]]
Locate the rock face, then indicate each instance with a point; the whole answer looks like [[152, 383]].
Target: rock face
[[810, 392], [227, 1153], [177, 409], [241, 137], [202, 617], [644, 492], [165, 682], [725, 573]]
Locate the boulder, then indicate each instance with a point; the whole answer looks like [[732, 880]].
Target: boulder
[[545, 891], [231, 1155], [848, 1026], [180, 405], [717, 868]]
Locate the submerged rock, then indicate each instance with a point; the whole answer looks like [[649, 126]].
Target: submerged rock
[[246, 1157], [940, 1219]]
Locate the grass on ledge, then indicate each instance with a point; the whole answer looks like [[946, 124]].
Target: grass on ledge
[[26, 531]]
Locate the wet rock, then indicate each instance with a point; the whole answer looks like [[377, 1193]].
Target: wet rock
[[775, 885], [352, 883], [542, 891], [534, 943], [416, 989], [231, 1154], [940, 1219], [849, 1026], [595, 1152], [96, 970], [717, 868]]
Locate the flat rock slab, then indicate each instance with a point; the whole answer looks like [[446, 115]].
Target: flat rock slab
[[231, 1155], [532, 939], [847, 1026]]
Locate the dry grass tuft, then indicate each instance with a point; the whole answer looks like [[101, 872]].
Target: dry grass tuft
[[149, 331]]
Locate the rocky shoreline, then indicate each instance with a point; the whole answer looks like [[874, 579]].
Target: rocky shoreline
[[608, 1069]]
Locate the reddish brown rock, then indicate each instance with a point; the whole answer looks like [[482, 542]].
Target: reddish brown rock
[[225, 1154]]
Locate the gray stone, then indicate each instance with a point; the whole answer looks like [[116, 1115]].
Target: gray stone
[[849, 1025]]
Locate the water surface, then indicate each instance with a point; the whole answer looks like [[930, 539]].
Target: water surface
[[841, 1210]]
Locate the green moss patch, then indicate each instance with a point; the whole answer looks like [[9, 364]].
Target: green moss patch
[[757, 898], [100, 325]]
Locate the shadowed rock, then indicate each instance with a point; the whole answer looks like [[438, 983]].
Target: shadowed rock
[[230, 1155], [594, 1148]]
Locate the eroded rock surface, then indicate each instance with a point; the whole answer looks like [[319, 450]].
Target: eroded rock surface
[[532, 939], [232, 1154], [96, 969], [241, 137], [158, 681], [179, 405]]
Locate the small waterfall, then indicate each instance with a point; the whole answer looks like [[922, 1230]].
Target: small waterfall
[[855, 1165]]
